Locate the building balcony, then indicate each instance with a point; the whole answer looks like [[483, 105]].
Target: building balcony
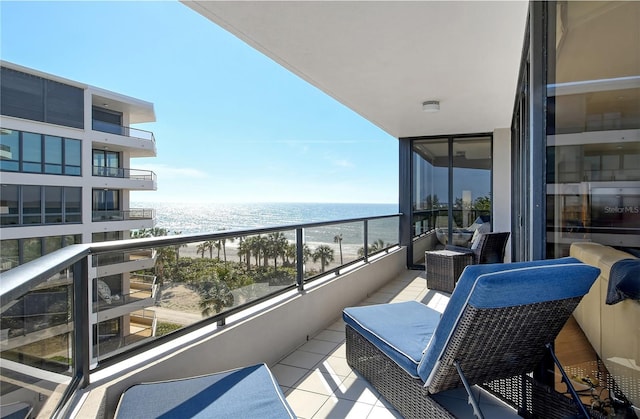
[[288, 316], [123, 178], [121, 262], [131, 219], [139, 143]]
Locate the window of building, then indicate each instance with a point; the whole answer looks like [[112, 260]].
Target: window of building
[[72, 157], [72, 205], [36, 153], [18, 251], [9, 150], [31, 97], [106, 163], [106, 204], [10, 257], [106, 120], [53, 205], [53, 155], [31, 152], [9, 205], [29, 204], [106, 236]]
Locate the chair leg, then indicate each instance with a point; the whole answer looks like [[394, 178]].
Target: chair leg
[[565, 379], [472, 400]]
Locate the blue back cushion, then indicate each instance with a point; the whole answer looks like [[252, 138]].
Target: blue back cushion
[[503, 285]]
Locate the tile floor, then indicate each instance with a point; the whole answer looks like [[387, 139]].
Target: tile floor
[[318, 382]]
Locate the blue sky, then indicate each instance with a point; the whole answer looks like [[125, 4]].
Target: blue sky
[[232, 125]]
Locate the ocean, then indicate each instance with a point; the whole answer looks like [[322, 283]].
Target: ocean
[[205, 218]]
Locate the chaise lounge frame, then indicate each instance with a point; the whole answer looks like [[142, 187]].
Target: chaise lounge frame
[[479, 343]]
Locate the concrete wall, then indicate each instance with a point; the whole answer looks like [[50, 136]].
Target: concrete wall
[[266, 336], [501, 216]]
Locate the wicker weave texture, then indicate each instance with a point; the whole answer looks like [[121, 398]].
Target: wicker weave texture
[[407, 395], [534, 400], [492, 343], [444, 270]]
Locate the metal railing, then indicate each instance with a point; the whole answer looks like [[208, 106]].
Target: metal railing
[[110, 128], [123, 173], [124, 215], [222, 273]]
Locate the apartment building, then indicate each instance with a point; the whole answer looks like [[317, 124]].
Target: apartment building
[[67, 150]]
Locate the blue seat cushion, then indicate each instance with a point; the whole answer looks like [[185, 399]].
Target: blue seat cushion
[[241, 393], [400, 330]]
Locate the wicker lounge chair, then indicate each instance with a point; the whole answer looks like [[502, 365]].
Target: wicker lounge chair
[[490, 248], [242, 393], [495, 326]]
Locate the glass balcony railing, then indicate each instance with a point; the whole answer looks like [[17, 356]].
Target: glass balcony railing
[[120, 172], [110, 128], [58, 327], [120, 215]]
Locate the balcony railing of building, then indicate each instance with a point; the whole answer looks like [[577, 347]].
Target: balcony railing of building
[[110, 128], [123, 173], [201, 279], [124, 215]]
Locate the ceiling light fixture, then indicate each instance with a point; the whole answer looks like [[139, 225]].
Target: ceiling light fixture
[[431, 106]]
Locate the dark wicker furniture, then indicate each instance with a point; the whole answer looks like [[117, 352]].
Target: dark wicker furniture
[[490, 248], [488, 338], [444, 268]]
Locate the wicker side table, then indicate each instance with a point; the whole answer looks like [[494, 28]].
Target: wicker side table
[[444, 268]]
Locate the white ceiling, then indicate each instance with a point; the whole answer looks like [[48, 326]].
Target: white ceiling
[[383, 59]]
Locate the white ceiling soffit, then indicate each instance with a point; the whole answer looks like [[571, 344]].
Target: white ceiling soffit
[[383, 59]]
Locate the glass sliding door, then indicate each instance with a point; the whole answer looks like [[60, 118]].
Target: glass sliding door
[[593, 125], [450, 189], [430, 189], [471, 187]]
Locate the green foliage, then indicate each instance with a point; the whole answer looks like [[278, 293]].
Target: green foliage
[[482, 203], [214, 296], [323, 253], [164, 328]]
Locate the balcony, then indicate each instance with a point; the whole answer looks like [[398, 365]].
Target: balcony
[[122, 178], [139, 142], [287, 315], [131, 219]]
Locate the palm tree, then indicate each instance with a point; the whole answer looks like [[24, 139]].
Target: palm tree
[[223, 243], [218, 245], [325, 254], [338, 239], [291, 253], [377, 245], [202, 247], [176, 233], [276, 246], [306, 253], [214, 296], [244, 249]]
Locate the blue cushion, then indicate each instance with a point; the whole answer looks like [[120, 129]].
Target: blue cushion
[[537, 288], [241, 393], [624, 281], [400, 330]]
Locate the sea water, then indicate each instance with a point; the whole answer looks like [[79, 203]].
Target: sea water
[[190, 218]]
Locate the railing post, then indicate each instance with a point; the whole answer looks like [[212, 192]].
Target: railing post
[[300, 259], [366, 240], [81, 321]]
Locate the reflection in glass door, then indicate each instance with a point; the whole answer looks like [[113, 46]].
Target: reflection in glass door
[[451, 188]]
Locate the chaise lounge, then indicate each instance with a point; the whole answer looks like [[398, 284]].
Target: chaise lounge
[[497, 324]]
